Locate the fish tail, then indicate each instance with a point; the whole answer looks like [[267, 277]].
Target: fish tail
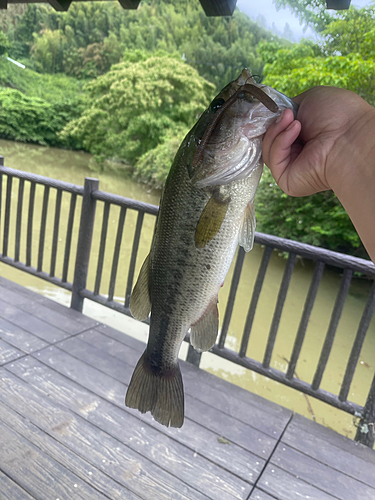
[[160, 393]]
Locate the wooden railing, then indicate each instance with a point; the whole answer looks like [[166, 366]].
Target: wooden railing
[[83, 201]]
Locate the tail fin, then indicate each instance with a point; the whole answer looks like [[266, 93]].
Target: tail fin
[[161, 394]]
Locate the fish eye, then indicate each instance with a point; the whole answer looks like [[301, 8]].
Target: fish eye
[[217, 103]]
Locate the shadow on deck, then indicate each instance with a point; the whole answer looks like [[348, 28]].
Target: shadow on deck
[[66, 434]]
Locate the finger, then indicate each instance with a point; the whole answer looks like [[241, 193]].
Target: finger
[[282, 122], [281, 149]]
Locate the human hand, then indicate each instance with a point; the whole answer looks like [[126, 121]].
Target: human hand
[[303, 154]]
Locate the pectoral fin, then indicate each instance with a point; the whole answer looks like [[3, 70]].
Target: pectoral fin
[[247, 229], [210, 220], [140, 303], [204, 332]]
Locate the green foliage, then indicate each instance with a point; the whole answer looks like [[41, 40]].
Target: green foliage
[[52, 88], [48, 51], [312, 13], [353, 32], [153, 167], [36, 107], [134, 107], [4, 43], [30, 119], [91, 36], [319, 219], [31, 21], [346, 59], [151, 69]]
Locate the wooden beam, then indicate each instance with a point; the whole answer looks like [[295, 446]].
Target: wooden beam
[[218, 7], [338, 4], [129, 4], [60, 5]]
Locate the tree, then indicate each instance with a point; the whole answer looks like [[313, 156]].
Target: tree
[[136, 105], [312, 13], [31, 22], [352, 32], [296, 68], [4, 43], [47, 52]]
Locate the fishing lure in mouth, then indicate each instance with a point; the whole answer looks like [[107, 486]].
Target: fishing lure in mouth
[[247, 88]]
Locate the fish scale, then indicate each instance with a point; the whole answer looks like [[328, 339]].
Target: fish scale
[[206, 210]]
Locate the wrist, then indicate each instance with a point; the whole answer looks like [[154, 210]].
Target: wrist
[[353, 175], [352, 160]]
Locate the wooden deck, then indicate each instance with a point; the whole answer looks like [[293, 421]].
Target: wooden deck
[[66, 434]]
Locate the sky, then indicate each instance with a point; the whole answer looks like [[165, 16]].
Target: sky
[[266, 8]]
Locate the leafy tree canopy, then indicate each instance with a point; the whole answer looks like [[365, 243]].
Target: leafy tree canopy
[[136, 105], [312, 13], [4, 43], [344, 59], [91, 36]]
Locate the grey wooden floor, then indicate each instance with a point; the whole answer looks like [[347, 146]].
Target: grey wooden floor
[[65, 433]]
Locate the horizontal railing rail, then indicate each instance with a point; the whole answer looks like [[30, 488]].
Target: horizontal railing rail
[[121, 215]]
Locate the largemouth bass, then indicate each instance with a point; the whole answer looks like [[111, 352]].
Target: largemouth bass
[[206, 210]]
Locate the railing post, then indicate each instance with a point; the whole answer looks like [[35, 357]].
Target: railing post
[[193, 356], [86, 228], [365, 430]]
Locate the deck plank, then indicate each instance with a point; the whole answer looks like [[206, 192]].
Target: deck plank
[[208, 378], [24, 298], [46, 479], [126, 466], [258, 494], [17, 294], [10, 490], [30, 323], [225, 425], [70, 323], [325, 478], [20, 338], [328, 447], [201, 388], [114, 420], [285, 486], [62, 417], [8, 353], [47, 443]]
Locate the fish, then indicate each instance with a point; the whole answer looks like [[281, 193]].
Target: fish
[[206, 211]]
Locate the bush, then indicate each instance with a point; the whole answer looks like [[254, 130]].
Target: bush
[[31, 119], [319, 219], [136, 106], [153, 167]]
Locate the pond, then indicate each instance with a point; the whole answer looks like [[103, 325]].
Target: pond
[[75, 166]]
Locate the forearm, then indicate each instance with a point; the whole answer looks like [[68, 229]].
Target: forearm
[[352, 176]]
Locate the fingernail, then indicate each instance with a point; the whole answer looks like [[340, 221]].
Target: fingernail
[[279, 118]]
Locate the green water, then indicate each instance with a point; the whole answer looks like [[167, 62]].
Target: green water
[[74, 167]]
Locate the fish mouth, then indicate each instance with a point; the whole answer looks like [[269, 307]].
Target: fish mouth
[[239, 94]]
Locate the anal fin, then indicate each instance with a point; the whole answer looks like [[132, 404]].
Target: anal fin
[[247, 229], [204, 332], [140, 303]]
